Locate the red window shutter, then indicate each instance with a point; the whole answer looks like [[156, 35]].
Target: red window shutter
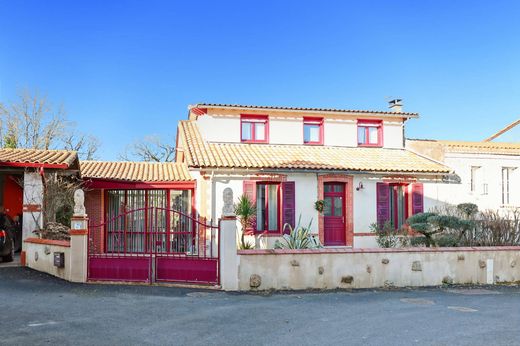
[[249, 187], [250, 190], [417, 198], [383, 203], [288, 204]]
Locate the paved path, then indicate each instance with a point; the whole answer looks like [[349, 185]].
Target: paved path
[[39, 309], [14, 263]]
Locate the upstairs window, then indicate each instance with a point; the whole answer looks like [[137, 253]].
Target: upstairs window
[[254, 128], [312, 130], [370, 133]]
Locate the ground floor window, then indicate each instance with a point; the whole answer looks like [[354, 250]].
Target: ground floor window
[[275, 204], [397, 201], [267, 207], [141, 220], [398, 205]]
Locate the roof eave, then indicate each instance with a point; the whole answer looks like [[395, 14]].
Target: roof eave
[[316, 111]]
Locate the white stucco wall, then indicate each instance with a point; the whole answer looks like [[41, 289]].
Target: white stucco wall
[[306, 194], [393, 134], [340, 132], [324, 269], [40, 257], [224, 126], [285, 130], [490, 173], [306, 185], [220, 129]]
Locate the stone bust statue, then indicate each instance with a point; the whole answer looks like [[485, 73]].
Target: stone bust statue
[[227, 196], [79, 202]]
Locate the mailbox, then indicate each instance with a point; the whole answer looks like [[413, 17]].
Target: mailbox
[[59, 259]]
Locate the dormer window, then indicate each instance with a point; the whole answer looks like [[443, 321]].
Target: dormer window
[[313, 130], [370, 133], [254, 128]]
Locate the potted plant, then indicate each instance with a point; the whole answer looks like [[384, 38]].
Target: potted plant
[[319, 205]]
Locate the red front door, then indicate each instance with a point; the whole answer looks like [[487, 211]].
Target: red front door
[[334, 214]]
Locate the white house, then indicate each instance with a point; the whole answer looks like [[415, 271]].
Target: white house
[[287, 158], [489, 171]]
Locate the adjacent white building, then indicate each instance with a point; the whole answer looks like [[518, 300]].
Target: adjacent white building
[[489, 171]]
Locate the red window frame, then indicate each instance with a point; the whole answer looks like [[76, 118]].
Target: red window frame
[[407, 201], [367, 124], [252, 119], [313, 121], [266, 205]]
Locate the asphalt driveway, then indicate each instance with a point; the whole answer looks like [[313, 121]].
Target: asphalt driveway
[[42, 310]]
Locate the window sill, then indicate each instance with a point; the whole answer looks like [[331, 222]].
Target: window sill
[[312, 143], [254, 142], [370, 145], [269, 233]]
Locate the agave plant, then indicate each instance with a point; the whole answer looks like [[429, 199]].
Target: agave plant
[[245, 210], [298, 237]]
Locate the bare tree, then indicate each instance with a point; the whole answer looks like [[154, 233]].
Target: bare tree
[[150, 149], [86, 146], [33, 122]]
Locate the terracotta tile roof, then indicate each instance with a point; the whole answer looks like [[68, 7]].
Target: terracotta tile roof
[[136, 171], [474, 147], [199, 153], [35, 157], [331, 110]]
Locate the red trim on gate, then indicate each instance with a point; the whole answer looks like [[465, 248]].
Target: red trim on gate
[[127, 185], [35, 165]]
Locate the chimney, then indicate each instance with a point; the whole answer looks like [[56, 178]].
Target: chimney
[[396, 105]]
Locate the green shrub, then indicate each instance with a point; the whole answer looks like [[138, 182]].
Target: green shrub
[[298, 238], [386, 235], [447, 240], [417, 241], [245, 210]]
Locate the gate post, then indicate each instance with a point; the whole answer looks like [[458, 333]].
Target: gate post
[[229, 259], [79, 240]]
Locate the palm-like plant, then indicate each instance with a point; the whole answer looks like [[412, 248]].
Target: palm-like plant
[[299, 237], [245, 210]]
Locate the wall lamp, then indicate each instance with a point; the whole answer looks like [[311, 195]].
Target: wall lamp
[[360, 186]]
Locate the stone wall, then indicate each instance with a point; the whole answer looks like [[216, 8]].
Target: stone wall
[[371, 268], [40, 256]]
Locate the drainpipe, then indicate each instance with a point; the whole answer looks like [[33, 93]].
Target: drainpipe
[[213, 195]]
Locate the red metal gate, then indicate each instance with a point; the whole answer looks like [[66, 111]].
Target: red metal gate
[[154, 245]]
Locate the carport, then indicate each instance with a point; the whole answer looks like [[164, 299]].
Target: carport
[[22, 174]]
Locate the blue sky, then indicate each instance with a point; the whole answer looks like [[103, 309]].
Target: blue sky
[[126, 69]]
